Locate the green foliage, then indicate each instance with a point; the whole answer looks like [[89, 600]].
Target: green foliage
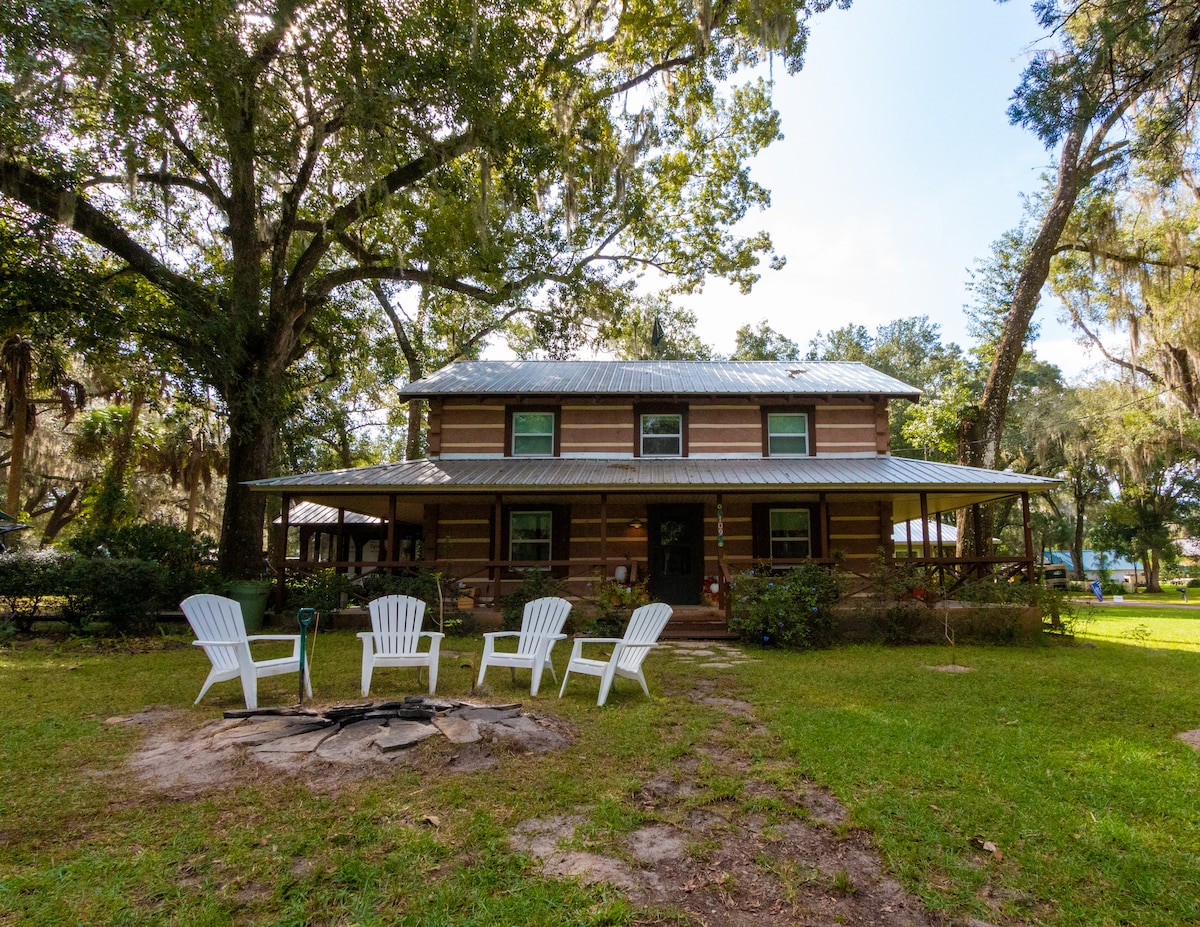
[[763, 343], [324, 590], [535, 584], [613, 603], [185, 557], [420, 584], [790, 608], [27, 578], [125, 594]]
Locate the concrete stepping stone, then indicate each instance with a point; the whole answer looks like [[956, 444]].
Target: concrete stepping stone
[[302, 743], [260, 731]]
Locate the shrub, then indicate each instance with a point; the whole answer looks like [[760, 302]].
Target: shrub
[[27, 579], [535, 584], [613, 603], [898, 605], [786, 607], [323, 590], [184, 556], [422, 584], [127, 594]]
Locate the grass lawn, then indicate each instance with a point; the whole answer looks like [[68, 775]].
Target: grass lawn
[[1141, 625], [1065, 758]]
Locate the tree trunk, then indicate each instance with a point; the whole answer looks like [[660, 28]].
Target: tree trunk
[[16, 460], [252, 430], [1152, 565]]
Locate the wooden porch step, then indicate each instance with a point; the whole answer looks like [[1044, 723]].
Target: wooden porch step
[[697, 622]]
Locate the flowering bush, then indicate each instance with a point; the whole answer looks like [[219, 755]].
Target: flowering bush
[[784, 608]]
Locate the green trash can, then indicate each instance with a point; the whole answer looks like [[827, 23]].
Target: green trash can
[[251, 595]]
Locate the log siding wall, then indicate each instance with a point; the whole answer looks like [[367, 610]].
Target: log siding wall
[[717, 428]]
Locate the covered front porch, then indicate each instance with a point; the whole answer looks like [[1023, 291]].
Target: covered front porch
[[684, 527]]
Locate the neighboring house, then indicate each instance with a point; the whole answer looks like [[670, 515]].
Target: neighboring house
[[677, 473], [1100, 564]]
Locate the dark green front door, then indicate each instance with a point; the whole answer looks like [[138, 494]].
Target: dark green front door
[[676, 552]]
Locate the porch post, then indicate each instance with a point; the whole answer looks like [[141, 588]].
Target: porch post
[[1029, 568], [281, 552], [980, 546], [908, 538], [941, 552], [343, 546], [823, 521], [393, 552], [498, 548], [925, 526], [603, 537]]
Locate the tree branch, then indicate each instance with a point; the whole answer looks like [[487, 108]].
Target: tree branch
[[1112, 359], [69, 209]]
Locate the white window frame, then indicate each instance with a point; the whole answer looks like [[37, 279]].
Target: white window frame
[[772, 538], [771, 435], [642, 436], [533, 434], [548, 541]]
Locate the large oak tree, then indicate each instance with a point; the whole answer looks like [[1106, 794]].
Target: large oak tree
[[251, 162]]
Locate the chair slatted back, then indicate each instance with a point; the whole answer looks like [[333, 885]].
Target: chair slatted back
[[645, 625], [542, 617], [216, 618], [396, 623]]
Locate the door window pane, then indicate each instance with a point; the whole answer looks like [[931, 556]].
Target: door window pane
[[529, 536], [787, 434], [662, 435], [533, 434], [791, 535]]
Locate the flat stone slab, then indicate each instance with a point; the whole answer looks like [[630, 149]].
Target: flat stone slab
[[716, 665], [300, 743], [402, 734], [486, 714], [458, 730], [254, 732]]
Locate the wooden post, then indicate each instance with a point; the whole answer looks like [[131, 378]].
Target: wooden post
[[603, 537], [823, 521], [925, 526], [498, 548], [343, 545], [393, 549], [1031, 572], [908, 538], [281, 553], [940, 551], [980, 546]]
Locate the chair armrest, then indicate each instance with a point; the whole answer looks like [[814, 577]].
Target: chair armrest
[[273, 637], [364, 635], [432, 635], [495, 634]]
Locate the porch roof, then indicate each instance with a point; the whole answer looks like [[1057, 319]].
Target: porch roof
[[901, 479], [659, 379]]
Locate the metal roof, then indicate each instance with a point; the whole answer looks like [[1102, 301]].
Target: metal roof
[[676, 473], [312, 513], [658, 378]]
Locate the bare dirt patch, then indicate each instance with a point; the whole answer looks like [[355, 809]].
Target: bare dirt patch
[[705, 858], [1191, 738], [327, 746]]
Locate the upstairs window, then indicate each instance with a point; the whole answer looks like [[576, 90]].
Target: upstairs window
[[532, 434], [787, 434], [661, 435], [530, 536], [791, 534]]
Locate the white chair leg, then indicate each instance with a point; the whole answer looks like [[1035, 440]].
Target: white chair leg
[[204, 688], [606, 681], [537, 677], [566, 676], [482, 671], [307, 680], [642, 679], [250, 689], [368, 665], [433, 671]]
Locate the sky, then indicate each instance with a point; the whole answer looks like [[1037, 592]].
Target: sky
[[897, 170]]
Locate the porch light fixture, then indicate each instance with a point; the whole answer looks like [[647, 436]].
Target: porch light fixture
[[637, 523]]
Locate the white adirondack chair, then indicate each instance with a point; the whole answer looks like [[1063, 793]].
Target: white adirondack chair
[[395, 638], [641, 636], [219, 628], [541, 629]]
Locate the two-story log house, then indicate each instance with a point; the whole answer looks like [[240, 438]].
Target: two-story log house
[[678, 473]]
